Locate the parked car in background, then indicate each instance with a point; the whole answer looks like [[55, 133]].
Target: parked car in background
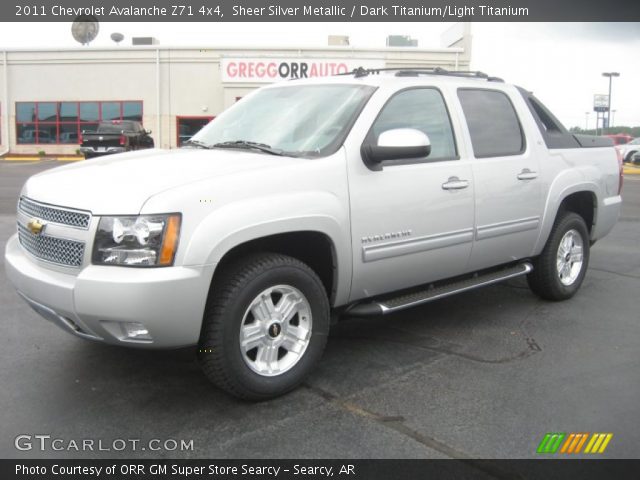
[[620, 138], [116, 136], [35, 136], [628, 150]]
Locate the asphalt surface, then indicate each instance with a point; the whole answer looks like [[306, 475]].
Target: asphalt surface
[[484, 374]]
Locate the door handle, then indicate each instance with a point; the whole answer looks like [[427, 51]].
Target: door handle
[[527, 174], [454, 183]]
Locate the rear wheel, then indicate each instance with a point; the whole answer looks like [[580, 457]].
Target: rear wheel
[[265, 326], [560, 269]]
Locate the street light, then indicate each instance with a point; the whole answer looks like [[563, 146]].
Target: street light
[[610, 75]]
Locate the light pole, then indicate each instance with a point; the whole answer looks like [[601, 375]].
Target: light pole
[[586, 122], [610, 75]]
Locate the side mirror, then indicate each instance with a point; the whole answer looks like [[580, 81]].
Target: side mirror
[[396, 144]]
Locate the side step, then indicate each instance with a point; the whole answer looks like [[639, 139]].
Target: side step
[[407, 300]]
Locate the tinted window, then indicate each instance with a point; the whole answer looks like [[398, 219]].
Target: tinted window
[[69, 112], [493, 124], [47, 111], [89, 111], [421, 109], [111, 110], [187, 127], [68, 133], [132, 111], [25, 111]]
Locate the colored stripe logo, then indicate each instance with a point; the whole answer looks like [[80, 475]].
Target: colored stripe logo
[[556, 442]]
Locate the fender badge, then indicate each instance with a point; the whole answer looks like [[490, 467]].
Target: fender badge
[[35, 226]]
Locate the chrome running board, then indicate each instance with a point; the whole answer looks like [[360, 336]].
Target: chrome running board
[[431, 293]]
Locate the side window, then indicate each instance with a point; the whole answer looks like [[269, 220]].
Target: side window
[[493, 124], [422, 109]]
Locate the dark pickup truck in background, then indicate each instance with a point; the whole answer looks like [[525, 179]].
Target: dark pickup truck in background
[[115, 137]]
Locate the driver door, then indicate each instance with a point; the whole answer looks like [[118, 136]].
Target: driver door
[[412, 219]]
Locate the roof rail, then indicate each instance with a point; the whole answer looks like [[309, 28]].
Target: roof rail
[[415, 71]]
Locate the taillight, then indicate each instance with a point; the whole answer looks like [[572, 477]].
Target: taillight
[[621, 168], [123, 140]]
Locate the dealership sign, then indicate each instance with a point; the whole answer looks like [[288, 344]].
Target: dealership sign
[[600, 103], [266, 70]]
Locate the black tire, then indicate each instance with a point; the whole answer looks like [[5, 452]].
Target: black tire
[[232, 292], [545, 280]]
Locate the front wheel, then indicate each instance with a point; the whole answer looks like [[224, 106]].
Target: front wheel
[[265, 326], [560, 269]]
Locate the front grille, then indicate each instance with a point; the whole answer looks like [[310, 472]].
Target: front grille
[[51, 249], [54, 214]]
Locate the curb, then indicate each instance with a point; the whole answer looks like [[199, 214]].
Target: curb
[[631, 170], [66, 158]]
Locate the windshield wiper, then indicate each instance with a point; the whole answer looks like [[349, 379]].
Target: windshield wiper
[[196, 143], [263, 147]]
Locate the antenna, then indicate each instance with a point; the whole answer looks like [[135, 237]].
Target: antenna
[[117, 37], [85, 29]]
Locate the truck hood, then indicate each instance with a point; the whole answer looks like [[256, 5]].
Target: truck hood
[[120, 184]]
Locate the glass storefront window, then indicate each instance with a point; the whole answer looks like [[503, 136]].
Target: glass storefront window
[[64, 122]]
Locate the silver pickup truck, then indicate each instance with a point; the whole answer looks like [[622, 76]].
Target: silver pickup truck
[[356, 195]]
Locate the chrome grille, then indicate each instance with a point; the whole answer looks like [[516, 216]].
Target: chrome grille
[[54, 214], [51, 249]]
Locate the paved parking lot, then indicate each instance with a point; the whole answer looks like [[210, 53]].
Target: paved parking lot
[[484, 374]]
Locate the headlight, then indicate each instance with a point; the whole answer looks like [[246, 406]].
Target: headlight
[[139, 241]]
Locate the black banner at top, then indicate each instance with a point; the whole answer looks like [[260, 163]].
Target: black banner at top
[[321, 10]]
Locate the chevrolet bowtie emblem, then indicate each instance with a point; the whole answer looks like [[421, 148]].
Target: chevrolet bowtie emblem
[[35, 226]]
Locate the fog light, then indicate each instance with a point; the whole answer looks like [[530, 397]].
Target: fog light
[[135, 331]]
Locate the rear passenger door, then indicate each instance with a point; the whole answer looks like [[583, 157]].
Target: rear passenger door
[[506, 174]]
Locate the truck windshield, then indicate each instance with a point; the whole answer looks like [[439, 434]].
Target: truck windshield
[[301, 120]]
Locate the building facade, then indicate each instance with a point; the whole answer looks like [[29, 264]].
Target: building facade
[[49, 97]]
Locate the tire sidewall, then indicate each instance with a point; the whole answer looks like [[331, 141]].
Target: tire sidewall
[[234, 314], [570, 221]]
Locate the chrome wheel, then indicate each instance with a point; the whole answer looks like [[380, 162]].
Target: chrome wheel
[[570, 257], [275, 330]]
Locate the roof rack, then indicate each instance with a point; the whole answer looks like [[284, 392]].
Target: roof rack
[[416, 71]]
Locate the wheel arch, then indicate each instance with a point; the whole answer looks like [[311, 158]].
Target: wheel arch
[[580, 198], [314, 248]]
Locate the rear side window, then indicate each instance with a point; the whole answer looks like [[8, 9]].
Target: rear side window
[[493, 124], [422, 109]]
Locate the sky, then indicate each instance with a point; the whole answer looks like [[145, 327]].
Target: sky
[[562, 63]]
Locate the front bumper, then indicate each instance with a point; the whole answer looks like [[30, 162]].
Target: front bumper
[[94, 303]]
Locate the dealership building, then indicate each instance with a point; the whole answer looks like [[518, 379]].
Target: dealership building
[[49, 97]]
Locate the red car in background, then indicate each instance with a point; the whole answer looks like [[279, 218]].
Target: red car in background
[[620, 138]]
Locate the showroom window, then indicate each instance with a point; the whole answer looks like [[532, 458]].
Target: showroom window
[[189, 126], [63, 122]]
